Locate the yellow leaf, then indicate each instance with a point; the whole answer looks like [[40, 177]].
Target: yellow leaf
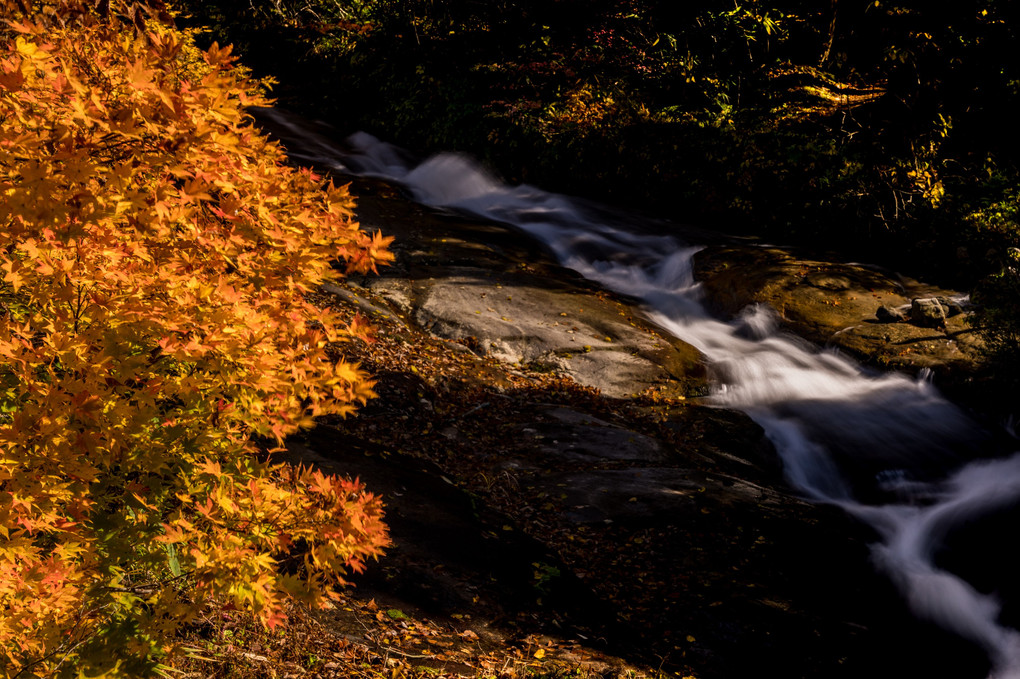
[[29, 49], [346, 372]]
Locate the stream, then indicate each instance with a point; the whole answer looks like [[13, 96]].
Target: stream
[[888, 449]]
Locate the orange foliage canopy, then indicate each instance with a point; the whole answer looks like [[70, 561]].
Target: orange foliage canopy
[[155, 251]]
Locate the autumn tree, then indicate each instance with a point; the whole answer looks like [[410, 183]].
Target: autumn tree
[[156, 251]]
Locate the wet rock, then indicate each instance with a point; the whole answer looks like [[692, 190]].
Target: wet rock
[[833, 304], [572, 435], [951, 306], [887, 315], [645, 494]]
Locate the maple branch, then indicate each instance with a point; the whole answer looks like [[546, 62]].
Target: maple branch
[[79, 618], [149, 587]]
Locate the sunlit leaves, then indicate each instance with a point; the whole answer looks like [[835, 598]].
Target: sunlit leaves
[[154, 255]]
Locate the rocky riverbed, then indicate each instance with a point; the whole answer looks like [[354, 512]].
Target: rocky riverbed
[[549, 469], [876, 316]]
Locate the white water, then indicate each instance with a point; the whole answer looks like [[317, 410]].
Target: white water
[[842, 432]]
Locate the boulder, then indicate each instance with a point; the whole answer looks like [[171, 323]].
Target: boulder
[[928, 313], [950, 306], [889, 315]]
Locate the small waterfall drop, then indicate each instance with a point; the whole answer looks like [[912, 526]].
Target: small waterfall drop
[[890, 450]]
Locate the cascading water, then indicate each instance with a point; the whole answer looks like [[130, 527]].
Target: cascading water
[[878, 446]]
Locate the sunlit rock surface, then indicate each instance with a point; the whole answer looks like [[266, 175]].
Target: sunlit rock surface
[[487, 288], [838, 305]]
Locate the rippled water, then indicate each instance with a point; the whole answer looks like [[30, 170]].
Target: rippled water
[[886, 448]]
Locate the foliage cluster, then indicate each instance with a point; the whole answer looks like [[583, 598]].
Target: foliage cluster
[[155, 252], [880, 129]]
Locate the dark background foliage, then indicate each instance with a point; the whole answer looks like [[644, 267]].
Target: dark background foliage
[[882, 130]]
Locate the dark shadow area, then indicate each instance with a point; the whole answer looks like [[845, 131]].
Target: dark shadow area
[[686, 551]]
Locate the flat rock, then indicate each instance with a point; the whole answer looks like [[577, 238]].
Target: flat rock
[[572, 435], [445, 559], [488, 288], [647, 494]]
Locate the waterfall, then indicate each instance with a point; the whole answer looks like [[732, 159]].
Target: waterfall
[[888, 449]]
